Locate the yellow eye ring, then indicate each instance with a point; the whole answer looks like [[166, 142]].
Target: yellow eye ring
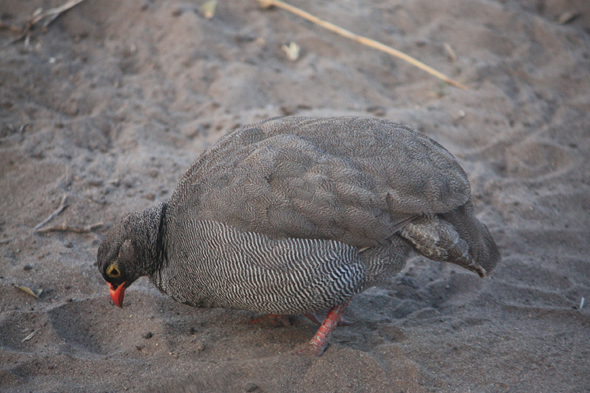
[[113, 271]]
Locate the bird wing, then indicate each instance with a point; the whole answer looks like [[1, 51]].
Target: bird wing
[[355, 180]]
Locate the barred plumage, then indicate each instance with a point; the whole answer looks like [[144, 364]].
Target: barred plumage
[[297, 215], [228, 268]]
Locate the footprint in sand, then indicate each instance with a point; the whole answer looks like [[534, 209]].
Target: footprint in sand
[[538, 159]]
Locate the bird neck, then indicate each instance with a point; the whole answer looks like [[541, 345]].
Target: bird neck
[[151, 240]]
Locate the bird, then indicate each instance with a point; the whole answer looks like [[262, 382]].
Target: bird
[[296, 215]]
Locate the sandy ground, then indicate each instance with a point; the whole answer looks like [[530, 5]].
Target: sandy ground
[[114, 101]]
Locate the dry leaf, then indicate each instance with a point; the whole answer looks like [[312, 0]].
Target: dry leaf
[[28, 290], [292, 50], [567, 17], [208, 9]]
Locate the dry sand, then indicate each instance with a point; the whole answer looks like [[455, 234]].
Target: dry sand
[[114, 101]]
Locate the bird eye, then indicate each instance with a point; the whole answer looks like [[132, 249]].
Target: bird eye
[[113, 271]]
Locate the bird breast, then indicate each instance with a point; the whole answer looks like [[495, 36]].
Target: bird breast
[[211, 264]]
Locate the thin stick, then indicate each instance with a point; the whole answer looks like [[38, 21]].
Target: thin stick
[[6, 26], [65, 228], [51, 15], [30, 336], [363, 40], [61, 208]]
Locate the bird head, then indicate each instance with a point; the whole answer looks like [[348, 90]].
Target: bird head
[[131, 249], [118, 262]]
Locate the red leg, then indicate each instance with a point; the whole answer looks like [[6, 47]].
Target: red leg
[[314, 319], [319, 342]]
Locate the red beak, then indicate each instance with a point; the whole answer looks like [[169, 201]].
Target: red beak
[[117, 293]]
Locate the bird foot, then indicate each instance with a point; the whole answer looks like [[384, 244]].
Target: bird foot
[[311, 349]]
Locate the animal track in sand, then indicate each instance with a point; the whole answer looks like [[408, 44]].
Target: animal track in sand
[[90, 326], [538, 159], [17, 325]]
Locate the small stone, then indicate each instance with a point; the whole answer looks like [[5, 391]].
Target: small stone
[[409, 282], [150, 197], [376, 110], [95, 183], [193, 331], [148, 335], [250, 387], [288, 110], [27, 267]]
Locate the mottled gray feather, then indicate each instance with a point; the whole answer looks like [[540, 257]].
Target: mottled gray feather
[[348, 179]]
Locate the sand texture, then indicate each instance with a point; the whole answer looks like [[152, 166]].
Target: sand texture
[[115, 99]]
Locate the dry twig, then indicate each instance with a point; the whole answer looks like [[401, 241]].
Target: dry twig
[[30, 336], [6, 26], [53, 13], [363, 40], [65, 228], [50, 15], [567, 17], [61, 208], [450, 52]]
